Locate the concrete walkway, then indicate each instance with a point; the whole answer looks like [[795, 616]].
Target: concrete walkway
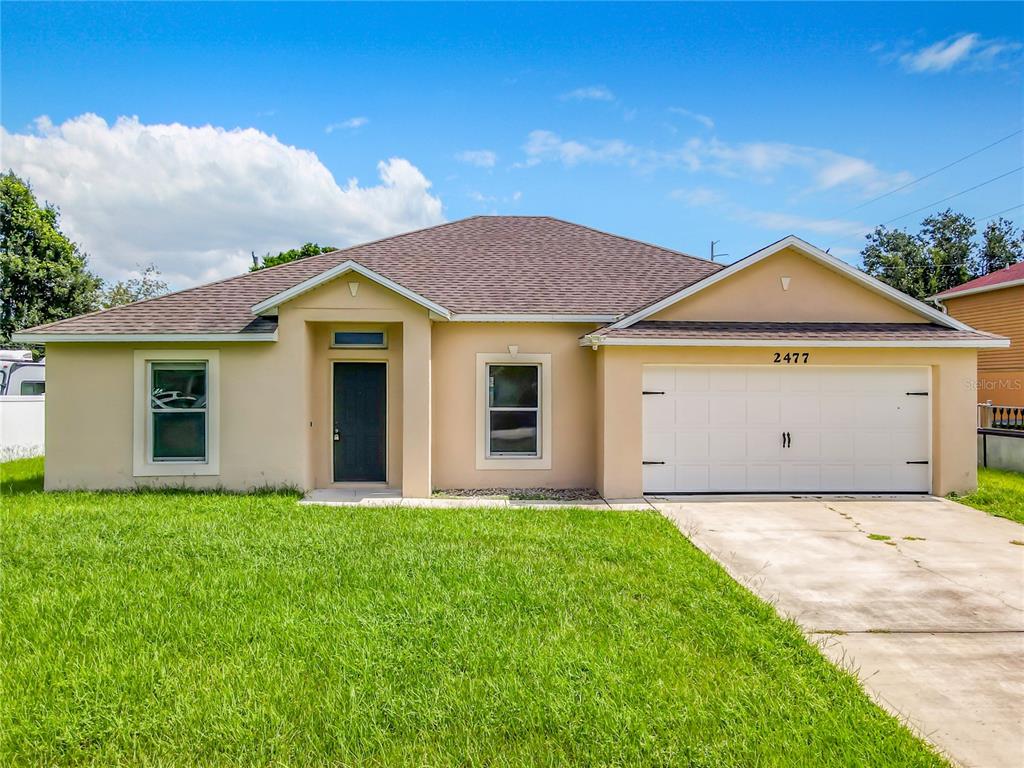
[[931, 618]]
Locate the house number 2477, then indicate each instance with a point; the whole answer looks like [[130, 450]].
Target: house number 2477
[[791, 358]]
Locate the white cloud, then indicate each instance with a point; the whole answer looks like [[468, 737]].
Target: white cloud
[[546, 145], [481, 158], [778, 222], [347, 125], [704, 120], [589, 93], [761, 161], [196, 200], [966, 50]]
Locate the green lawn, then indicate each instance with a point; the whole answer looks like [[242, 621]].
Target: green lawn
[[176, 628], [999, 493]]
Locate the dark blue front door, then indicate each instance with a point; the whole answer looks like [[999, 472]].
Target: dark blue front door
[[360, 416]]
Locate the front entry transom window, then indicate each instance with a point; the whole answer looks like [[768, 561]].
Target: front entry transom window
[[513, 410]]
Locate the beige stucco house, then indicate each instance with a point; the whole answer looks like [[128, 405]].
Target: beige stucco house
[[520, 352]]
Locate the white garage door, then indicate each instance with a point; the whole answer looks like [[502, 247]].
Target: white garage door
[[777, 429]]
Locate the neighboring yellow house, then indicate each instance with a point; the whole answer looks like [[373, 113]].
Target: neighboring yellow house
[[519, 352], [994, 303]]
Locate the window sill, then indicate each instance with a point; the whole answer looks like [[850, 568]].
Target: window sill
[[507, 462], [175, 469]]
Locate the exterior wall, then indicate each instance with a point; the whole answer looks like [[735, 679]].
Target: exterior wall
[[1000, 371], [816, 294], [275, 400], [619, 474], [455, 411]]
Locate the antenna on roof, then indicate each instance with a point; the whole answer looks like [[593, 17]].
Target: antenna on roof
[[713, 254], [255, 261]]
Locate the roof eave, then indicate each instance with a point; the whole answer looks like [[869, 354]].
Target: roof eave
[[955, 294], [596, 341], [53, 337]]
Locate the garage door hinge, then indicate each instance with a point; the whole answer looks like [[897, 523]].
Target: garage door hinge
[[923, 394], [654, 462], [917, 462], [652, 392]]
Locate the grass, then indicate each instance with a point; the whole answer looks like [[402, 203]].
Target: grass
[[999, 493], [216, 629]]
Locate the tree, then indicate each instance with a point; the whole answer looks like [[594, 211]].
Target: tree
[[900, 260], [147, 286], [43, 275], [949, 241], [1001, 246], [307, 250]]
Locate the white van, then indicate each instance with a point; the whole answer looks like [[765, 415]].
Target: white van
[[19, 376]]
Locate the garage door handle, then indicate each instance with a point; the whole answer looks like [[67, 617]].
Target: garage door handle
[[651, 392], [654, 462], [787, 440], [917, 462]]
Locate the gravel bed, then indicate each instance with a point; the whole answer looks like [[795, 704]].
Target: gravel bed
[[520, 494]]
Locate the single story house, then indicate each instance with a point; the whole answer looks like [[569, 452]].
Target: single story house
[[517, 351], [994, 303]]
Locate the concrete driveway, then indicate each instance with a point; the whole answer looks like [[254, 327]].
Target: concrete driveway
[[931, 619]]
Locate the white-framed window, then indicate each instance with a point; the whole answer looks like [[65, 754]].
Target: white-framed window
[[359, 339], [176, 420], [513, 411]]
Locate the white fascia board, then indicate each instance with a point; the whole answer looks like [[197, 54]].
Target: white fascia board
[[529, 318], [43, 338], [792, 241], [265, 306], [971, 291], [590, 341]]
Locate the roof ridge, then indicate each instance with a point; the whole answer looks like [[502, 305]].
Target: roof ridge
[[630, 239]]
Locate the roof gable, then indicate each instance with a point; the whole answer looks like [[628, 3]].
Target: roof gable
[[805, 249], [269, 305]]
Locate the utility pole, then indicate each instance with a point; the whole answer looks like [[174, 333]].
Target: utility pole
[[713, 254]]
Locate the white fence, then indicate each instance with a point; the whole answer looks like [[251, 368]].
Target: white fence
[[21, 426]]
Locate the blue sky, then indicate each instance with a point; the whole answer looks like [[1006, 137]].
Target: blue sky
[[676, 124]]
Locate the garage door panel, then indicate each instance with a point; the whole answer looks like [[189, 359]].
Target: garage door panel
[[659, 478], [728, 412], [691, 411], [659, 446], [687, 379], [692, 446], [720, 429], [659, 412], [764, 477], [726, 477], [728, 444], [728, 379], [764, 444]]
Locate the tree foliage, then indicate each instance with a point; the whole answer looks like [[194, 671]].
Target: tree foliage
[[944, 253], [1001, 246], [43, 275], [148, 285], [294, 254]]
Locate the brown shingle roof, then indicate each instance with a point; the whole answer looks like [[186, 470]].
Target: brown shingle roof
[[868, 332], [484, 264]]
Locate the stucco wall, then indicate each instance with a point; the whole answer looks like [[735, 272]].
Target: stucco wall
[[455, 412], [954, 459], [816, 294]]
